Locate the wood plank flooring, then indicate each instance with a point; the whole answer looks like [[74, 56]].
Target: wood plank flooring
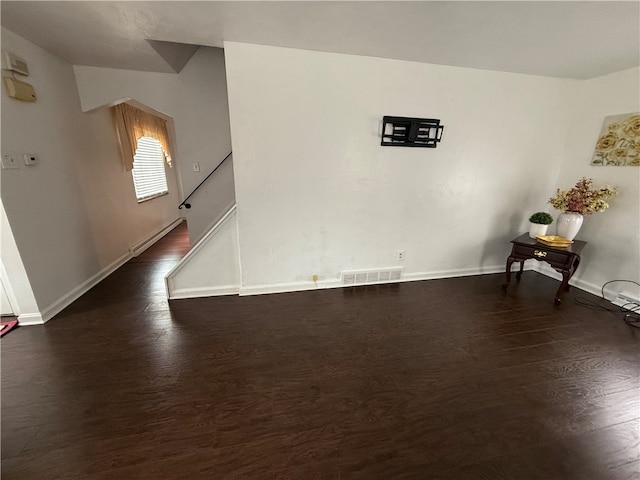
[[444, 379]]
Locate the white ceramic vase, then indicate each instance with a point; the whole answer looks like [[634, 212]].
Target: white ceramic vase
[[537, 229], [568, 224]]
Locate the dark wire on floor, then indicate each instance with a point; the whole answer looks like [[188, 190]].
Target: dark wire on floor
[[630, 311]]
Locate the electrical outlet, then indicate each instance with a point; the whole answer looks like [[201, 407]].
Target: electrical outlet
[[314, 277], [400, 255], [625, 300], [8, 162], [30, 159]]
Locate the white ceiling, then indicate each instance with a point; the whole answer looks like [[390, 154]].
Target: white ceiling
[[574, 39]]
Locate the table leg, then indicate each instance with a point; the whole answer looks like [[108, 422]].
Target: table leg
[[564, 286], [510, 261], [519, 274]]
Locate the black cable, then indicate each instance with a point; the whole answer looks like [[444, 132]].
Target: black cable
[[612, 281], [631, 316]]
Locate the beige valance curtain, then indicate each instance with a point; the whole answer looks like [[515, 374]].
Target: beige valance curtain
[[133, 123]]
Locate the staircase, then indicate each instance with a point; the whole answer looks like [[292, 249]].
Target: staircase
[[212, 265]]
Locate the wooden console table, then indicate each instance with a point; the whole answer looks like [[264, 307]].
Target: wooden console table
[[564, 260]]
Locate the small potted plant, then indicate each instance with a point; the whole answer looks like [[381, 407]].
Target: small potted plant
[[539, 222]]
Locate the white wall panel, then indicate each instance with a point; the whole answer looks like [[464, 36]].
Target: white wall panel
[[317, 194]]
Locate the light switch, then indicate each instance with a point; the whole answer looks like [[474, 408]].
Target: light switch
[[196, 167], [30, 159]]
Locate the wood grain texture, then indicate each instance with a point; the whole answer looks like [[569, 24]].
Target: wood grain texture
[[443, 379]]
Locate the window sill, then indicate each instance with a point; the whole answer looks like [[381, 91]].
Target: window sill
[[151, 197]]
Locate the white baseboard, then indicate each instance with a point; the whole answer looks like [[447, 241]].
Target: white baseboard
[[63, 302], [56, 307], [205, 292], [289, 287], [143, 245], [456, 272], [335, 283], [26, 319], [546, 270]]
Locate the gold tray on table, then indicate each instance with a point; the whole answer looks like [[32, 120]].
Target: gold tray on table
[[554, 240]]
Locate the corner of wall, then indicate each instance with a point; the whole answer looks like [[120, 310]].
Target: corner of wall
[[14, 274]]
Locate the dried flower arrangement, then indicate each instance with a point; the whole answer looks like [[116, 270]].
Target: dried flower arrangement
[[583, 198]]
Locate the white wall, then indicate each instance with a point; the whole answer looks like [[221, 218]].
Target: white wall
[[613, 250], [6, 308], [14, 276], [211, 267], [196, 98], [74, 215], [317, 193]]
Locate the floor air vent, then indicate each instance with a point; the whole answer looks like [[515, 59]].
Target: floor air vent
[[367, 277]]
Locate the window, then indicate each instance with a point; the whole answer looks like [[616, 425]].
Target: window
[[149, 176]]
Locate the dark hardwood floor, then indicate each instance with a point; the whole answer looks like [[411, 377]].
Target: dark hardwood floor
[[444, 379]]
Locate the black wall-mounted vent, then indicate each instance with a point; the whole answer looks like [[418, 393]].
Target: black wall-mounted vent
[[411, 132]]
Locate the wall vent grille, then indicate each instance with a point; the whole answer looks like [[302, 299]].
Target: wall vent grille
[[368, 277]]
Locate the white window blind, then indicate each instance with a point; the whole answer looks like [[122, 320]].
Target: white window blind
[[149, 176]]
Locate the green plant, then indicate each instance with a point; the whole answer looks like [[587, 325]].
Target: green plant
[[542, 218]]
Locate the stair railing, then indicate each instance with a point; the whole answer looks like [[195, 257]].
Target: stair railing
[[188, 205]]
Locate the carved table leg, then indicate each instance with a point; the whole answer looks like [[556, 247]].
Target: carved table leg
[[573, 269], [564, 286], [510, 261], [519, 274]]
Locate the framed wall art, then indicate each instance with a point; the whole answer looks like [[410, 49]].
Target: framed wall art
[[618, 144]]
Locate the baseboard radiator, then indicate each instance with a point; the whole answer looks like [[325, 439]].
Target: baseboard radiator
[[139, 248]]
